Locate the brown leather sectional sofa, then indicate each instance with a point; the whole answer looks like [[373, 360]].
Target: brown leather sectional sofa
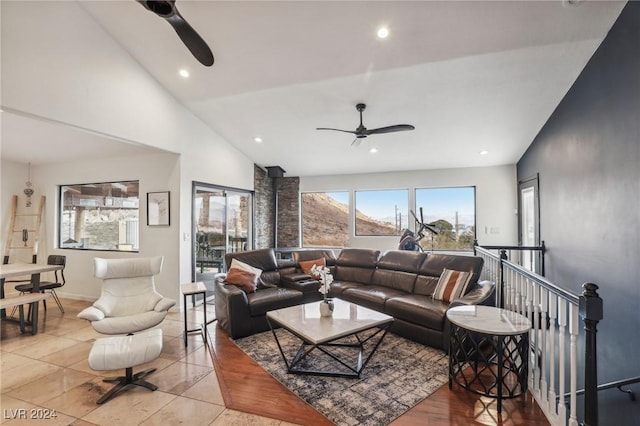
[[399, 283]]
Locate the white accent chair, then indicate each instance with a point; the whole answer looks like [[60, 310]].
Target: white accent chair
[[129, 301]]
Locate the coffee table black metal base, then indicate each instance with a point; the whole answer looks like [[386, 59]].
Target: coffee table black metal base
[[352, 371]]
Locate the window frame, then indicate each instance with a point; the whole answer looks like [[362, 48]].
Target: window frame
[[127, 247], [425, 241]]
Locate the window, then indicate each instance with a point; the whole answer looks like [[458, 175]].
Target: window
[[325, 219], [452, 212], [99, 216], [381, 212]]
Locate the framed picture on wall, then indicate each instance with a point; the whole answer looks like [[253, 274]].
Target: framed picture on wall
[[158, 208]]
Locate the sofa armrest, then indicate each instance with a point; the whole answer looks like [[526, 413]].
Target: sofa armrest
[[232, 308], [293, 278], [481, 294]]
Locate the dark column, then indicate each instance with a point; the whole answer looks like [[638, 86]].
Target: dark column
[[591, 313]]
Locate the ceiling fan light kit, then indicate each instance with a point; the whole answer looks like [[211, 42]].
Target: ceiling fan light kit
[[362, 132]]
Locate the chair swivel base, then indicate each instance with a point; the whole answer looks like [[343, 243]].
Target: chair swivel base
[[129, 379]]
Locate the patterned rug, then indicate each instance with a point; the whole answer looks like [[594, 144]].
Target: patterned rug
[[399, 375]]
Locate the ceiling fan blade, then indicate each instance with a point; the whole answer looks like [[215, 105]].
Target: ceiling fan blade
[[191, 39], [197, 46], [390, 129], [356, 142], [337, 130]]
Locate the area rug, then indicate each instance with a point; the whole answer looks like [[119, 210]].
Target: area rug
[[400, 374]]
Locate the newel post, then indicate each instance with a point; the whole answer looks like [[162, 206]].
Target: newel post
[[590, 310], [500, 296]]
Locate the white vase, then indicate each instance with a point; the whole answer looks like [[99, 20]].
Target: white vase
[[326, 308]]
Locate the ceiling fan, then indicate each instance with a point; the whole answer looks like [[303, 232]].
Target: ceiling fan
[[362, 132], [167, 9]]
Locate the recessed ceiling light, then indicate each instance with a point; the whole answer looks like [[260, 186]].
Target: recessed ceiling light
[[383, 32], [484, 152], [373, 150], [257, 139], [184, 73]]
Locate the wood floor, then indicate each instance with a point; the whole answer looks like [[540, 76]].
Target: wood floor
[[245, 386]]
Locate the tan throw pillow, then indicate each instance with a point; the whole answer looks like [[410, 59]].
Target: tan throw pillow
[[308, 264], [247, 281], [451, 285]]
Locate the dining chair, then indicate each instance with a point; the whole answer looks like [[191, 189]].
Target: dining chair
[[50, 286]]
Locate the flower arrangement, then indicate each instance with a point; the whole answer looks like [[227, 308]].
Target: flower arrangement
[[324, 276]]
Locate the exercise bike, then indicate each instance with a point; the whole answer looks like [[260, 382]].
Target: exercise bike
[[411, 241]]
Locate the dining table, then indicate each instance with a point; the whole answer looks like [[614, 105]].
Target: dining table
[[18, 269]]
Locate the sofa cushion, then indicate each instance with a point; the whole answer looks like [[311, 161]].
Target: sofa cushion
[[247, 281], [451, 285], [306, 265], [371, 296], [398, 269], [264, 259], [364, 258], [436, 263], [269, 299], [356, 265], [338, 287], [418, 309], [425, 285], [399, 280], [402, 260], [328, 255]]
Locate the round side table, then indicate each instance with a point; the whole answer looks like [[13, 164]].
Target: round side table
[[488, 351]]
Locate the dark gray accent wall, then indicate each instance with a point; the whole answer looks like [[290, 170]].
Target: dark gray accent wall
[[588, 159]]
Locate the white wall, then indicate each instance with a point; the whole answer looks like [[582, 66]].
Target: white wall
[[496, 198], [49, 74], [155, 172]]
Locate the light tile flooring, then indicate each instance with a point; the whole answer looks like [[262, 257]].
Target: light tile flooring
[[49, 373]]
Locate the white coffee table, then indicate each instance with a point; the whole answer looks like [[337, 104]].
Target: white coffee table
[[488, 351], [323, 333]]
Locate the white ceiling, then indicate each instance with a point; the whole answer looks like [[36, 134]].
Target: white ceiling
[[470, 76]]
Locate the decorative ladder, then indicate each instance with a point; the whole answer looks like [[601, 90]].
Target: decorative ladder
[[24, 225]]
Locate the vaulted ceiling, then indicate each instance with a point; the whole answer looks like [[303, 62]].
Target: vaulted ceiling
[[471, 76]]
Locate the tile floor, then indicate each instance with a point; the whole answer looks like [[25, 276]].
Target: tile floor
[[49, 373]]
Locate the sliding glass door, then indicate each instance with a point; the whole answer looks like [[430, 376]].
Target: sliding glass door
[[222, 223]]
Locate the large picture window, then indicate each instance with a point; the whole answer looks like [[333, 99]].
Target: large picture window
[[381, 212], [452, 212], [99, 216], [325, 219]]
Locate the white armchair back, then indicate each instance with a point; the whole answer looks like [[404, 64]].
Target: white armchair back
[[129, 301]]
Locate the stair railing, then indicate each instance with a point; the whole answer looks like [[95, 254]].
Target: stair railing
[[555, 316]]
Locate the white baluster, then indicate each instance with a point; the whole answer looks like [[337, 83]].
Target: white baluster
[[529, 309], [562, 343], [536, 336], [553, 315], [573, 331], [544, 304]]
